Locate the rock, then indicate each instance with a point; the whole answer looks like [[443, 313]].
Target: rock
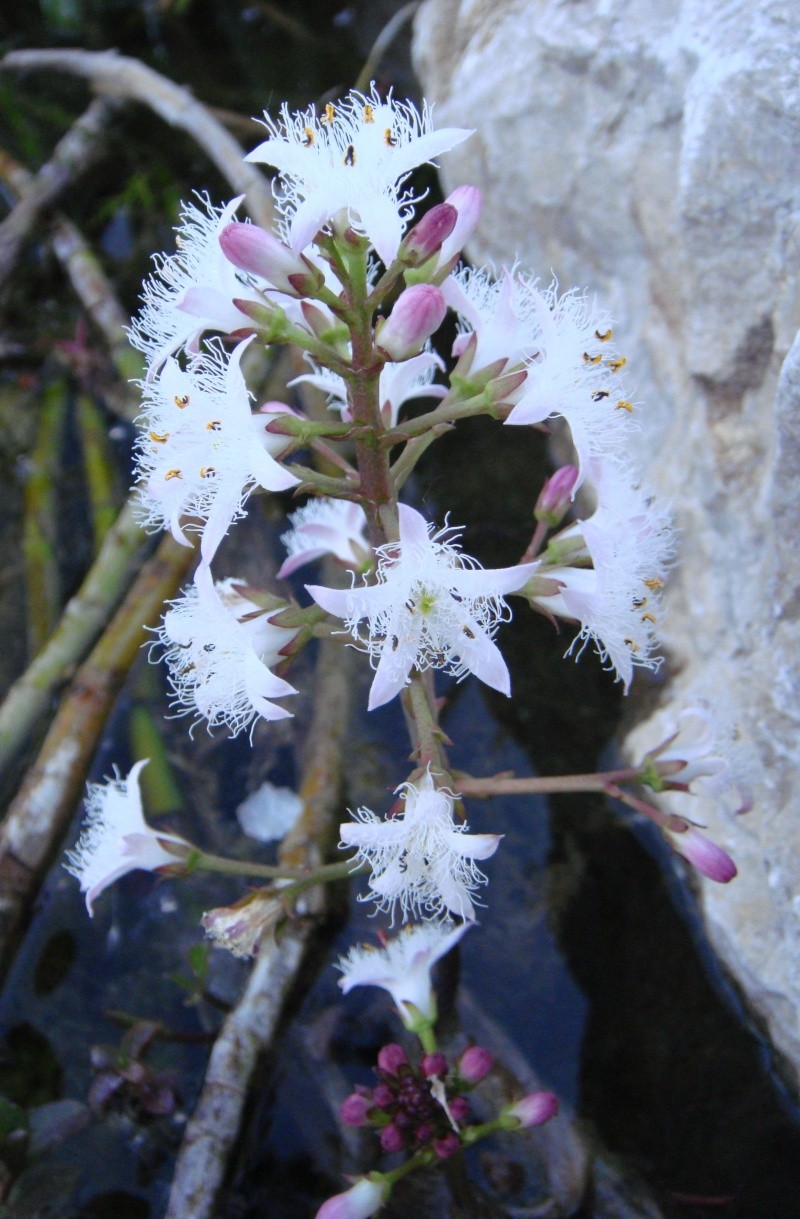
[[648, 151]]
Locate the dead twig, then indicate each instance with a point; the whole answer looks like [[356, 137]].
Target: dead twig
[[122, 77], [248, 1030], [71, 157]]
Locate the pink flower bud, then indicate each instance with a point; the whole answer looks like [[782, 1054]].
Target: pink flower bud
[[447, 1146], [259, 252], [391, 1058], [426, 237], [709, 859], [434, 1064], [555, 496], [417, 313], [358, 1202], [475, 1064], [535, 1109], [383, 1096], [391, 1139], [354, 1109], [459, 1108]]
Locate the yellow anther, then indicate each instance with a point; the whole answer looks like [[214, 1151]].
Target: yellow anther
[[624, 405], [600, 394], [172, 474], [213, 425], [389, 139], [369, 114], [207, 472], [654, 582], [156, 439], [639, 602], [616, 365], [350, 155], [587, 359], [648, 617], [181, 400], [308, 137], [469, 634], [634, 647], [603, 338], [330, 113]]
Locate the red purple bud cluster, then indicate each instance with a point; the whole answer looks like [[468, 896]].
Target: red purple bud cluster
[[403, 1106]]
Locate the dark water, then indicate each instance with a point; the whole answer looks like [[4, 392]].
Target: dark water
[[588, 967]]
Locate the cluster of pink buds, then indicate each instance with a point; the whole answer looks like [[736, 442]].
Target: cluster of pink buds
[[418, 1108]]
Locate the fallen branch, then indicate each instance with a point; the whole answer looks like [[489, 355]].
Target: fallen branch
[[71, 157], [40, 813], [119, 76], [248, 1030], [85, 616]]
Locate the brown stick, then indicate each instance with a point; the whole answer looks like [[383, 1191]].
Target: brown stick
[[119, 76], [40, 813], [248, 1030], [72, 156]]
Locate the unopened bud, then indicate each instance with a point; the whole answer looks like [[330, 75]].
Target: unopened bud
[[354, 1109], [418, 312], [241, 928], [475, 1064], [391, 1058], [459, 1108], [260, 253], [447, 1145], [427, 236], [434, 1064], [555, 496], [391, 1138], [709, 859], [534, 1109]]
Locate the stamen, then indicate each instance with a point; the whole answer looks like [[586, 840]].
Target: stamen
[[654, 582], [603, 338], [181, 400], [624, 405], [207, 472], [648, 617], [172, 474], [469, 634], [389, 140], [308, 137], [330, 114], [213, 425], [587, 359], [350, 155], [369, 114], [600, 394], [156, 439], [616, 365], [634, 647]]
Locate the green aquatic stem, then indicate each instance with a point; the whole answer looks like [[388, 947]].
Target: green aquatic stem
[[600, 781], [98, 468], [304, 878], [40, 526]]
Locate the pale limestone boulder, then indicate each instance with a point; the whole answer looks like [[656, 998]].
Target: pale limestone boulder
[[649, 150]]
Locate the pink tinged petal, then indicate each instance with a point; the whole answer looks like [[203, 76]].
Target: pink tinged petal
[[382, 225], [336, 601], [493, 581], [212, 307], [296, 561], [455, 897], [359, 1202], [475, 846], [424, 148], [392, 673], [271, 475], [312, 214], [468, 202], [413, 526], [483, 658]]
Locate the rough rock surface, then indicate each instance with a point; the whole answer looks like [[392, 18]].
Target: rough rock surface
[[648, 149]]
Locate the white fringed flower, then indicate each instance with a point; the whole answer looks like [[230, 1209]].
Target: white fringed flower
[[496, 312], [327, 526], [116, 839], [354, 159], [202, 451], [193, 290], [404, 966], [629, 542], [398, 383], [421, 859], [219, 660], [574, 372], [432, 607]]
